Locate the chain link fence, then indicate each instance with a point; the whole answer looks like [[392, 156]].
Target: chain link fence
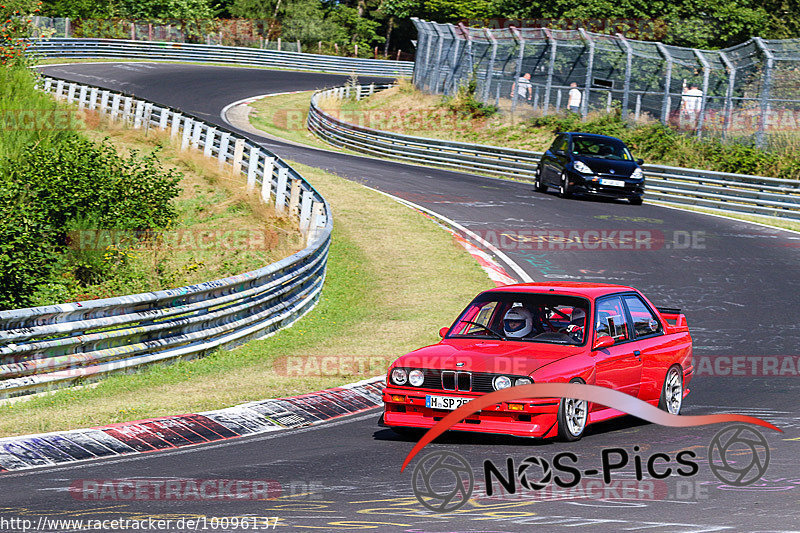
[[748, 91]]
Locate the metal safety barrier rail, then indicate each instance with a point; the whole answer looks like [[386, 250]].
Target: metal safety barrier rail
[[59, 345], [743, 193], [202, 53]]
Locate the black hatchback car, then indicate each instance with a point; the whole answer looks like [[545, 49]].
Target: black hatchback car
[[584, 163]]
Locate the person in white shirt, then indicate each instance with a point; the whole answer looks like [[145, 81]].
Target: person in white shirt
[[694, 102], [523, 87], [575, 96]]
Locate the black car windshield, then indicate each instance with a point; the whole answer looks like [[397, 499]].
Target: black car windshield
[[600, 148], [548, 318]]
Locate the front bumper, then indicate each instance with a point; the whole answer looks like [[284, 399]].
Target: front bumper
[[537, 418], [581, 184]]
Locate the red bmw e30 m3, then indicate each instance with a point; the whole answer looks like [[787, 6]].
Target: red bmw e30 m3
[[593, 333]]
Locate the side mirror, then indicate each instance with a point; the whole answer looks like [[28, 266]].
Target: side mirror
[[640, 162], [602, 342], [444, 330]]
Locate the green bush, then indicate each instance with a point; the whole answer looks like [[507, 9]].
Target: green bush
[[464, 103], [72, 185]]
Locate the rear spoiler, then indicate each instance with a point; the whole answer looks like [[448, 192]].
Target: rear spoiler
[[674, 318]]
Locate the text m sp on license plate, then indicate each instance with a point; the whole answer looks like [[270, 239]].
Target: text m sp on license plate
[[445, 402]]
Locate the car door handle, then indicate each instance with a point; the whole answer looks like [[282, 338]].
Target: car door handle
[[638, 354]]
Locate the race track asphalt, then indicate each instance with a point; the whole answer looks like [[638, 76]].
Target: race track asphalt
[[738, 284]]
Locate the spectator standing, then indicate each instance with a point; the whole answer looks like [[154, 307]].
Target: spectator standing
[[575, 97], [524, 87], [694, 98]]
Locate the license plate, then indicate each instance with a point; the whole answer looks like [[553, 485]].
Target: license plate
[[612, 183], [445, 402]]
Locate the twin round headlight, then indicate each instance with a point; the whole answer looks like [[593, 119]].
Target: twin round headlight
[[401, 377], [504, 382]]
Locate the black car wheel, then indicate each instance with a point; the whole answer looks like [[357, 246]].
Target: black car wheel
[[563, 188], [540, 187], [636, 200]]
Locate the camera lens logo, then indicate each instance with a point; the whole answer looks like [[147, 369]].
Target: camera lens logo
[[738, 455], [443, 481], [529, 466]]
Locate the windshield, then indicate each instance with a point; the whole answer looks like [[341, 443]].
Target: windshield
[[547, 318], [600, 148]]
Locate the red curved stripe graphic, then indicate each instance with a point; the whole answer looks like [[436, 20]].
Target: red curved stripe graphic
[[591, 393]]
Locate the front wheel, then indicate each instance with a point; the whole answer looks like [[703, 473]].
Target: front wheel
[[563, 188], [540, 187], [636, 200], [672, 392], [572, 417]]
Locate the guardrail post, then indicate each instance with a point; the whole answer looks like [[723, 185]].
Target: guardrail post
[[163, 118], [104, 101], [71, 92], [224, 143], [766, 89], [211, 133], [252, 167], [280, 192], [48, 85], [59, 89], [587, 83], [196, 131], [126, 109], [314, 222], [93, 98], [187, 132], [148, 113], [665, 104], [138, 114], [176, 124], [305, 210], [82, 97], [626, 88], [550, 66], [238, 154], [115, 107], [266, 181], [294, 197]]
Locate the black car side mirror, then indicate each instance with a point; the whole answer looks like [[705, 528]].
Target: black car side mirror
[[640, 162]]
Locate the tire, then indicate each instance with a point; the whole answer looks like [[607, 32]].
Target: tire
[[540, 187], [571, 422], [636, 200], [671, 399], [563, 187]]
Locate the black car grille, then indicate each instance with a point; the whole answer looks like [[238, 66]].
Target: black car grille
[[458, 380]]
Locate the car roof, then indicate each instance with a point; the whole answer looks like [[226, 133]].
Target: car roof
[[595, 135], [570, 288]]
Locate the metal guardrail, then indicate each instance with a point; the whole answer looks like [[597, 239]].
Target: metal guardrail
[[58, 345], [743, 193], [168, 51]]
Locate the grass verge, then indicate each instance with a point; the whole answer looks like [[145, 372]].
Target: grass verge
[[394, 277]]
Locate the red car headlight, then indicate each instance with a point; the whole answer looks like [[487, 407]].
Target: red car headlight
[[399, 376], [416, 377]]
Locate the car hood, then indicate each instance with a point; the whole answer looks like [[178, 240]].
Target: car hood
[[493, 356], [604, 166]]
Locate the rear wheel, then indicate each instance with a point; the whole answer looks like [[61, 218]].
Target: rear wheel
[[572, 417], [540, 187], [672, 392], [563, 188]]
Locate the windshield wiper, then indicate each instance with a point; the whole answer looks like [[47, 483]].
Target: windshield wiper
[[487, 328]]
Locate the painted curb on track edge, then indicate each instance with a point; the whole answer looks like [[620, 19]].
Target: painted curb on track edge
[[170, 432]]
